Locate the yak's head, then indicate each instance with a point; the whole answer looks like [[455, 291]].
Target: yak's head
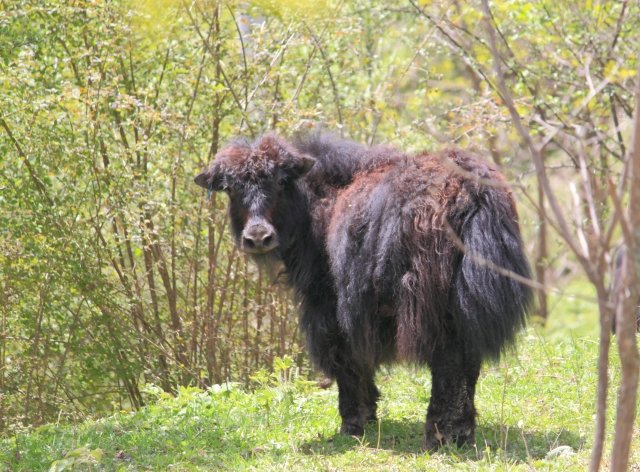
[[264, 199]]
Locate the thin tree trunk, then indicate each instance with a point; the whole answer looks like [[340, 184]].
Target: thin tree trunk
[[159, 332], [4, 300], [541, 256], [245, 322], [211, 284], [212, 248], [627, 393], [626, 319], [603, 379]]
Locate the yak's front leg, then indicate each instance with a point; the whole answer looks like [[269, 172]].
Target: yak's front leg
[[451, 416], [357, 397], [331, 353], [371, 400]]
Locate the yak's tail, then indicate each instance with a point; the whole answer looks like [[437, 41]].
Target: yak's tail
[[490, 304]]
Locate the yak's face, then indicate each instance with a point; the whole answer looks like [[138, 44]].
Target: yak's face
[[260, 182]]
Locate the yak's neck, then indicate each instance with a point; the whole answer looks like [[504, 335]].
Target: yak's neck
[[337, 162], [305, 260]]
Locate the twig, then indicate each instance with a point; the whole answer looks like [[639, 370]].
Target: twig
[[334, 87], [42, 188], [535, 151], [219, 62]]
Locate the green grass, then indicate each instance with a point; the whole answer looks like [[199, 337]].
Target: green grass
[[537, 399]]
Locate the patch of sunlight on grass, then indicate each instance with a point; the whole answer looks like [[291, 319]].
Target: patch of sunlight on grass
[[573, 312]]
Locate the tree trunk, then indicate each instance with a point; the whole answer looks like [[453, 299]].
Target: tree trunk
[[627, 309], [541, 256]]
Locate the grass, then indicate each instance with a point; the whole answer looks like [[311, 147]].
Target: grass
[[536, 411]]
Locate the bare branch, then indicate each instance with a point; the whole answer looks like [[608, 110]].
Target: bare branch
[[536, 151], [42, 188], [334, 87], [214, 54]]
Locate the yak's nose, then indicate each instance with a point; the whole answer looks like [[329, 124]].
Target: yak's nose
[[259, 238]]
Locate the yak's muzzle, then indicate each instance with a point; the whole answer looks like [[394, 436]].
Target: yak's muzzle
[[258, 237]]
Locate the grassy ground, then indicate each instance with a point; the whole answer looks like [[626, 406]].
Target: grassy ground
[[536, 411]]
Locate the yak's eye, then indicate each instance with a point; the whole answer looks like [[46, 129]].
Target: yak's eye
[[282, 181], [230, 189]]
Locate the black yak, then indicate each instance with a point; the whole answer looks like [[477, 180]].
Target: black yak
[[393, 257]]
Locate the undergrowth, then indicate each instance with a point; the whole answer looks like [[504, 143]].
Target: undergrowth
[[536, 410]]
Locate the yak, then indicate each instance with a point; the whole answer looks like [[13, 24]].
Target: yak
[[392, 257]]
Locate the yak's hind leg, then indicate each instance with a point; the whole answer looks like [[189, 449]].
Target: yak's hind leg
[[451, 416]]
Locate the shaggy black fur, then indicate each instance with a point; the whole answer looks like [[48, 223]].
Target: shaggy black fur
[[393, 258]]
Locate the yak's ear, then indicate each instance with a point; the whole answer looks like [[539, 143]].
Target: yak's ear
[[300, 165], [209, 179], [202, 178], [292, 161]]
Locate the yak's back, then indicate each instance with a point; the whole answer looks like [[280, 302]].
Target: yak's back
[[395, 240]]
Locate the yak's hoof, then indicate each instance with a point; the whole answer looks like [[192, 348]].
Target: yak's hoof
[[370, 415], [434, 439], [351, 429]]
